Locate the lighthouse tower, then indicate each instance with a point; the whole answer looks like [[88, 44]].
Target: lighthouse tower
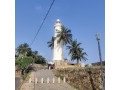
[[58, 47]]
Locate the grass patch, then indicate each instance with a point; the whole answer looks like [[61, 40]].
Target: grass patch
[[76, 87], [61, 77], [24, 78], [75, 68]]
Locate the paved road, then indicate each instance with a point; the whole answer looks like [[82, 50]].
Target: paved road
[[45, 86], [56, 86], [17, 82]]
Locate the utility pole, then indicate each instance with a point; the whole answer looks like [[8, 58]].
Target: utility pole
[[100, 56]]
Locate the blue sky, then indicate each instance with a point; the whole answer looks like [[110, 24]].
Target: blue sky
[[85, 18]]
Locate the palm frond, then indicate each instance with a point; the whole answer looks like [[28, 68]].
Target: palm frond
[[51, 43], [76, 51], [64, 35]]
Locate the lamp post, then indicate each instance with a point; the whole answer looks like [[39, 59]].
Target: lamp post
[[100, 56]]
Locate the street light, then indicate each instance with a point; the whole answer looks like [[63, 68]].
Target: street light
[[100, 56]]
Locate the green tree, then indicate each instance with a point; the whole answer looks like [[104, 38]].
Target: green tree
[[23, 49], [40, 60], [23, 63], [29, 53], [51, 43], [64, 35], [35, 55], [76, 51]]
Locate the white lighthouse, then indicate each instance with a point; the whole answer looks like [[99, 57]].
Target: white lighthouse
[[58, 47]]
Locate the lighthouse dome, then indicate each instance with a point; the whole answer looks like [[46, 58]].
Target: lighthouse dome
[[58, 21]]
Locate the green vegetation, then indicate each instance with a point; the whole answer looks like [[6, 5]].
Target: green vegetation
[[61, 77], [23, 63], [77, 87], [35, 56], [65, 37], [24, 78], [25, 57], [40, 60], [23, 49], [51, 43], [80, 68], [76, 51]]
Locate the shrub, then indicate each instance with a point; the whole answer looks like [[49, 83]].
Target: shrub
[[23, 63]]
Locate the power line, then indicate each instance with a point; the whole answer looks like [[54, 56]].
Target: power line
[[43, 22]]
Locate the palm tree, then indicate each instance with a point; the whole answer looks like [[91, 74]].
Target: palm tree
[[41, 60], [23, 49], [64, 35], [51, 43], [35, 55], [76, 51]]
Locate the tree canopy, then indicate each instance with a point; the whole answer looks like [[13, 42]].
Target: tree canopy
[[24, 57], [76, 51], [23, 49], [64, 35], [51, 43], [23, 63]]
